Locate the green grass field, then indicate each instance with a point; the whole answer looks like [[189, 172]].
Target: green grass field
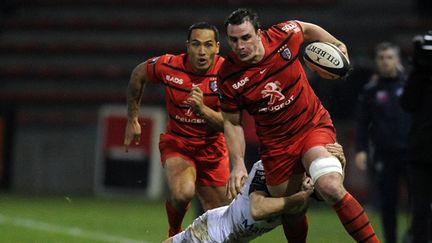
[[64, 219]]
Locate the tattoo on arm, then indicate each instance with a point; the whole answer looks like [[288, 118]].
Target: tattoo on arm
[[135, 91]]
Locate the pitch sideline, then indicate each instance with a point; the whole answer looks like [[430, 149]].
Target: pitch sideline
[[71, 231]]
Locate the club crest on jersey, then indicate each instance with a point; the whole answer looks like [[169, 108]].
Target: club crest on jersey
[[213, 86], [272, 90], [286, 54]]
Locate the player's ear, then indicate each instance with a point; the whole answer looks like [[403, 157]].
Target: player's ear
[[217, 47]]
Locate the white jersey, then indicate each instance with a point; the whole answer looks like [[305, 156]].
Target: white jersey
[[232, 223]]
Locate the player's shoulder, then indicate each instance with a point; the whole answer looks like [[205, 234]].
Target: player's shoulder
[[228, 63], [281, 30], [218, 62], [231, 68], [168, 59], [219, 59], [287, 26], [175, 60]]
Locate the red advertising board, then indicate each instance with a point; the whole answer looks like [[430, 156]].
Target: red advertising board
[[137, 171]]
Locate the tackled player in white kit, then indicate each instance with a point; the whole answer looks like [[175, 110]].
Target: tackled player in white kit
[[251, 214]]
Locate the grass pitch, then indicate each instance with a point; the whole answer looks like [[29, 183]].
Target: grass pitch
[[78, 219]]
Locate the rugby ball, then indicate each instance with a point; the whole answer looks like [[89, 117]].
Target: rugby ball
[[326, 60]]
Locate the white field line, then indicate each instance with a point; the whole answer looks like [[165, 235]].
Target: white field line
[[71, 231]]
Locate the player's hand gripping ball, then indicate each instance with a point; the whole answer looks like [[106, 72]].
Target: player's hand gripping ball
[[326, 60]]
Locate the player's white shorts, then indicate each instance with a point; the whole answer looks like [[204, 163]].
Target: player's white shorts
[[198, 231]]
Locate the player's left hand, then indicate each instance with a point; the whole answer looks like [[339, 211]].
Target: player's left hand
[[307, 185], [337, 150], [132, 133], [195, 100], [302, 196]]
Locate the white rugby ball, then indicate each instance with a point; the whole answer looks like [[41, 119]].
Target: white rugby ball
[[326, 60]]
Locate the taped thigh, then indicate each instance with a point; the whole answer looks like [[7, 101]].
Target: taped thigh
[[322, 166]]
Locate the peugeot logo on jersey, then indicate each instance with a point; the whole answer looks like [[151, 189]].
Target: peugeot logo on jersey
[[272, 90]]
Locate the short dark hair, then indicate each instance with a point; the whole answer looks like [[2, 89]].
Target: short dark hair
[[242, 15], [205, 26], [387, 46]]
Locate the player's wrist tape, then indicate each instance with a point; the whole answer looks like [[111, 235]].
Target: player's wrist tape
[[322, 166]]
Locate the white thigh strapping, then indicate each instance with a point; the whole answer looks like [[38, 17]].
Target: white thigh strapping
[[322, 166]]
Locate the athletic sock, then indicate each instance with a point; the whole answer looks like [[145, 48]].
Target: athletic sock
[[355, 220], [296, 232], [175, 217]]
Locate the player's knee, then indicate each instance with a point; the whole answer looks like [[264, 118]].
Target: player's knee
[[182, 193], [330, 187], [326, 173]]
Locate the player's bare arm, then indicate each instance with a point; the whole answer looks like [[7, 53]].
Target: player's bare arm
[[263, 206], [213, 118], [235, 141], [313, 32], [135, 90]]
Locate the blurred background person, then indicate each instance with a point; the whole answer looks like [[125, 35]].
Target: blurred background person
[[416, 99], [382, 120]]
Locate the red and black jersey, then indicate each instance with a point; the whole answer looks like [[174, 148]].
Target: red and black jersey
[[176, 74], [275, 91]]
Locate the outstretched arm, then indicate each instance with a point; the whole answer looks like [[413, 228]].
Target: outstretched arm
[[263, 206], [313, 32], [135, 90], [235, 141]]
